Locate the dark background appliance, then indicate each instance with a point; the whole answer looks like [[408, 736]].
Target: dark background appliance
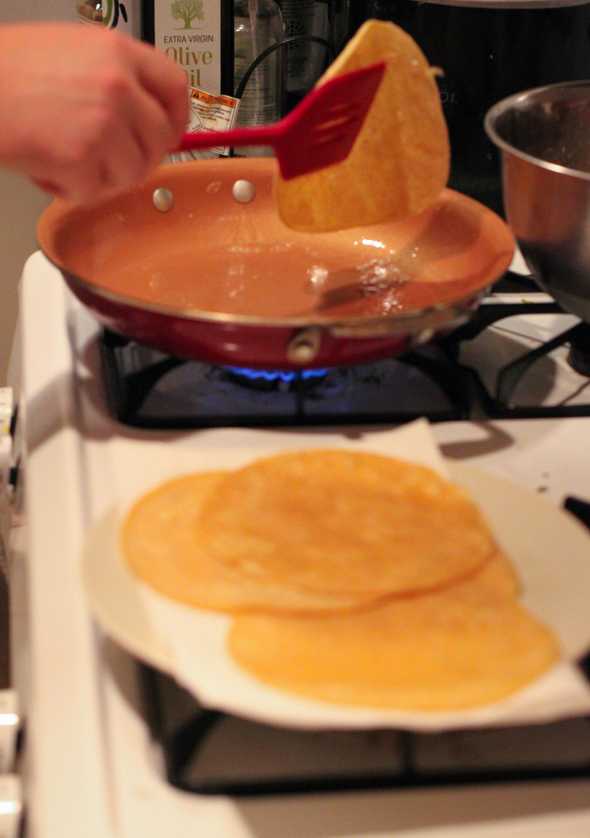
[[489, 50]]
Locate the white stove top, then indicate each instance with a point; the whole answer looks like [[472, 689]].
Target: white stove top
[[89, 767]]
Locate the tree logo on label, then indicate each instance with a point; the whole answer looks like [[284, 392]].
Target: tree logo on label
[[186, 11]]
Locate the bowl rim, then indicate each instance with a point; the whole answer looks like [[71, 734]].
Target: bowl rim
[[509, 102]]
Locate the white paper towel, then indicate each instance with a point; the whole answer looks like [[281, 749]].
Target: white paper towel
[[196, 640]]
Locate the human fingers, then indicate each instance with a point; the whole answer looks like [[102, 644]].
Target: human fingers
[[110, 151], [111, 115], [48, 186], [141, 137], [166, 82], [77, 184], [148, 112], [148, 123], [141, 143]]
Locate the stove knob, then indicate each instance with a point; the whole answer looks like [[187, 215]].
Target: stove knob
[[11, 806]]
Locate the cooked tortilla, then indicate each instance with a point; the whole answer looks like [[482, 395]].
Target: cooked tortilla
[[159, 544], [465, 646], [346, 523], [399, 163]]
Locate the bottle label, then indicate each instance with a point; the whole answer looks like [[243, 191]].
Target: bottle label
[[189, 32], [208, 112], [114, 14]]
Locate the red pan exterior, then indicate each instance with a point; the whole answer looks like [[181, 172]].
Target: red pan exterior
[[230, 344]]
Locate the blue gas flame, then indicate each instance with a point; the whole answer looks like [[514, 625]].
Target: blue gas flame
[[276, 375]]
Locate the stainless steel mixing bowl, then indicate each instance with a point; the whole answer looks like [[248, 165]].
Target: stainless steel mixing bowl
[[544, 138]]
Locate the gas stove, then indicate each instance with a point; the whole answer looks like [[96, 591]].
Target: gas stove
[[113, 748], [475, 372]]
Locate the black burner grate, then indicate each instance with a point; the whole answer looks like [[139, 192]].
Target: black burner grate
[[209, 752], [150, 390]]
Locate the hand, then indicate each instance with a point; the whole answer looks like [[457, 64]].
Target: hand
[[86, 112]]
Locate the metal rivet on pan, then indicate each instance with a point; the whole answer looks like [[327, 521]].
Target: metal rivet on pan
[[244, 191], [163, 199], [304, 347]]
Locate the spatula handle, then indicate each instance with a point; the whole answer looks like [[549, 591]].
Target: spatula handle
[[258, 135]]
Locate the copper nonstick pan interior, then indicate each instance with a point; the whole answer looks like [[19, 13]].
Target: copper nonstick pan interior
[[194, 250]]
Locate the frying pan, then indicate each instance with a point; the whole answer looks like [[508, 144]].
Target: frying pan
[[196, 262]]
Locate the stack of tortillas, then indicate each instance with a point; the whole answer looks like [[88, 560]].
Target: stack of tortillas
[[399, 163], [353, 578]]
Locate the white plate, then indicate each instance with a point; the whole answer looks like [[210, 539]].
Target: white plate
[[551, 552]]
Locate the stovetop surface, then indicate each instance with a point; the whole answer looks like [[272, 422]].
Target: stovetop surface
[[520, 356], [512, 360], [103, 742]]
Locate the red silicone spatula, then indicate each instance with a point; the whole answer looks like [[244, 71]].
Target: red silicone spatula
[[319, 132]]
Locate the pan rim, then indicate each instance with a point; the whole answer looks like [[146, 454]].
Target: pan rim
[[372, 323], [409, 320]]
